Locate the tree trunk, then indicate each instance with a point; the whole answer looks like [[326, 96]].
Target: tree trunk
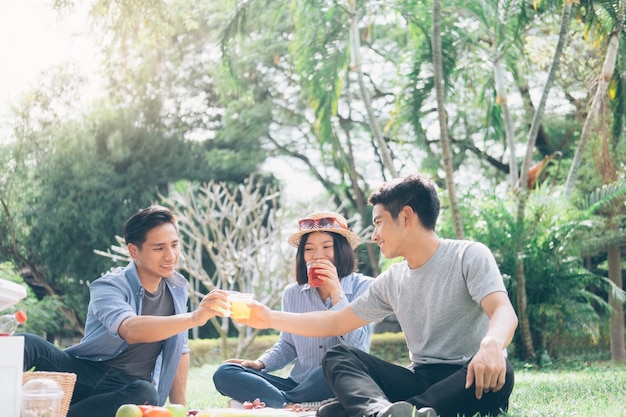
[[536, 123], [501, 100], [596, 105], [361, 203], [520, 278], [446, 150], [618, 352], [355, 65]]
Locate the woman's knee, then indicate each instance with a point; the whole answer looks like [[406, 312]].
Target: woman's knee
[[225, 373], [228, 369]]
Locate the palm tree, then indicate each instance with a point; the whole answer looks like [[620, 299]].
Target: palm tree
[[614, 16], [607, 19], [562, 292], [320, 60], [355, 66], [446, 150], [607, 203], [598, 106], [522, 300]]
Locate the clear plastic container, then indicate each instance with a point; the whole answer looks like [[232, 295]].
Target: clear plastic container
[[9, 322], [41, 397]]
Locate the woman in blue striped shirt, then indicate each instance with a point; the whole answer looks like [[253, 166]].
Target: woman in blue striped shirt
[[325, 243]]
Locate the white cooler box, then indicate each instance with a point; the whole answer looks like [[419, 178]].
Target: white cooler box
[[11, 364], [10, 293], [11, 354]]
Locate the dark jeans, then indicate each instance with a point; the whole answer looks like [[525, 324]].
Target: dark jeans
[[246, 384], [364, 385], [99, 389]]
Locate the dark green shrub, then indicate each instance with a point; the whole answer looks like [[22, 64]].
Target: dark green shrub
[[388, 346]]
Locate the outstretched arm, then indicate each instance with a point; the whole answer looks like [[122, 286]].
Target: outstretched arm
[[314, 323], [146, 329]]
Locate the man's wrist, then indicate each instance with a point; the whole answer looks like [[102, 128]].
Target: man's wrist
[[491, 341]]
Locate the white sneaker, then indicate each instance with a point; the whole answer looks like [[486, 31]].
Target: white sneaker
[[304, 406], [404, 409]]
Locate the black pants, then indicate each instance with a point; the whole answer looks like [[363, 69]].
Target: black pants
[[364, 385], [99, 390]]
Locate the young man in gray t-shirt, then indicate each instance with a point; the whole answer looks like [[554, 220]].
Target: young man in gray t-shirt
[[450, 300]]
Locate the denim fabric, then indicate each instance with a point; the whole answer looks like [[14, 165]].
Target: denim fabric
[[117, 296], [306, 352], [246, 384], [99, 389], [306, 381]]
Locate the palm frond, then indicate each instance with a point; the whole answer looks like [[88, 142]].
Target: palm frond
[[238, 25], [235, 24], [321, 53], [608, 199]]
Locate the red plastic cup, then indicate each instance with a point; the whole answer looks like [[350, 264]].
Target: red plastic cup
[[314, 280]]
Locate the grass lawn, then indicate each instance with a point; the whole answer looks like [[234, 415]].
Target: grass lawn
[[584, 390]]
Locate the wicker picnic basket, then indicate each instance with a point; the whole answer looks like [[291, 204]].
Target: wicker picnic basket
[[65, 380]]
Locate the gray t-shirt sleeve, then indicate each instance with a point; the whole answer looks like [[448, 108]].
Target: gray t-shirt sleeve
[[374, 304]]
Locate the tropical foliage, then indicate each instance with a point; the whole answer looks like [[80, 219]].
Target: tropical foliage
[[515, 108]]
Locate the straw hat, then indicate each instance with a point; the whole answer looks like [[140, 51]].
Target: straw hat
[[324, 221]]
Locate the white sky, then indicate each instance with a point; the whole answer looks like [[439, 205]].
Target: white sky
[[34, 38]]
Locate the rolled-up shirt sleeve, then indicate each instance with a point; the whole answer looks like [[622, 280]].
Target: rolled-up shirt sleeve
[[110, 305]]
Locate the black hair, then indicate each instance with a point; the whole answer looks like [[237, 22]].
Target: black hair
[[414, 191], [344, 257], [139, 224]]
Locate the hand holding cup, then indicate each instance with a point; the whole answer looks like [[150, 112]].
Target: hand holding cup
[[312, 273]]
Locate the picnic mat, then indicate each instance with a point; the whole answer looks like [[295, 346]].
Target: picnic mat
[[260, 412]]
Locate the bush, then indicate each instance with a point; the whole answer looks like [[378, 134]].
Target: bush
[[388, 346], [209, 351]]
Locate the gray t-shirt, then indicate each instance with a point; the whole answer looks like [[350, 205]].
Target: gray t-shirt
[[438, 304], [138, 360]]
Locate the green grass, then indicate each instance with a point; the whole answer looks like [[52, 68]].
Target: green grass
[[595, 390], [580, 390]]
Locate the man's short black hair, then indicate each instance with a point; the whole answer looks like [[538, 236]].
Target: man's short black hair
[[139, 224], [414, 191]]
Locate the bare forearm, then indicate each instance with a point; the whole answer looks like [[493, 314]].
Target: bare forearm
[[316, 323], [146, 329], [502, 326]]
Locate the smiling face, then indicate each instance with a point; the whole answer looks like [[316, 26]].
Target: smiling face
[[386, 232], [319, 245], [158, 255]]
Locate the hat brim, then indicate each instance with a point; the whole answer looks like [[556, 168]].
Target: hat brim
[[353, 239]]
